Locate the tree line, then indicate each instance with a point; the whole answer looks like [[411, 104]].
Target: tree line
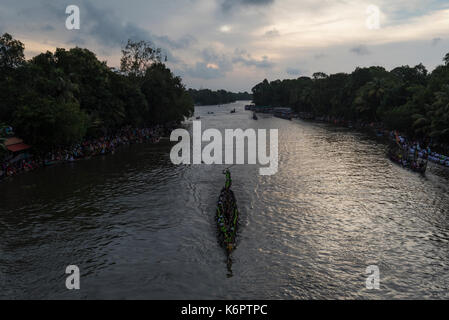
[[408, 99], [206, 97], [59, 98]]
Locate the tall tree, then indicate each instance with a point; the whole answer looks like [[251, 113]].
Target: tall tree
[[11, 52], [166, 95], [137, 57]]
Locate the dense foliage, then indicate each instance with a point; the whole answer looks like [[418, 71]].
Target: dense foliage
[[406, 98], [206, 97], [2, 141], [59, 98]]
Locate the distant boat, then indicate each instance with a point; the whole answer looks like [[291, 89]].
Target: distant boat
[[233, 111]]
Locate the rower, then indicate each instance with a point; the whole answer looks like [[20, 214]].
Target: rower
[[228, 179]]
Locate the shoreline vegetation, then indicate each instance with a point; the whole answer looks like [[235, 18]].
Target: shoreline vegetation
[[406, 99], [69, 105], [206, 97]]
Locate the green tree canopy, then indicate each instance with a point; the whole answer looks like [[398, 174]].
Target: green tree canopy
[[11, 52], [406, 98], [59, 98], [138, 56]]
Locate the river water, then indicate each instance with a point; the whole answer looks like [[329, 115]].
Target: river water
[[139, 227]]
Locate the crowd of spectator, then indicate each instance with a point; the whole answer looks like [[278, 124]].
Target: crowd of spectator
[[83, 150]]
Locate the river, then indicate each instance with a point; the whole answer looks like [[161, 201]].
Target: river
[[139, 227]]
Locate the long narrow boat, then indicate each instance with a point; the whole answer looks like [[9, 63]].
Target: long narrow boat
[[283, 113], [227, 216], [417, 165]]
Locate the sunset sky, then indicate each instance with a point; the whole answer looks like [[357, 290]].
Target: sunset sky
[[234, 44]]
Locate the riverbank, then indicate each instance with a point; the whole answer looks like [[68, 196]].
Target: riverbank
[[424, 147], [86, 149]]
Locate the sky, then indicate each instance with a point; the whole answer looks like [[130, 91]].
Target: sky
[[235, 44]]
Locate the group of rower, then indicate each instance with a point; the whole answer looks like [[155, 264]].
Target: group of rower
[[411, 147], [415, 149], [409, 153], [84, 150], [227, 213]]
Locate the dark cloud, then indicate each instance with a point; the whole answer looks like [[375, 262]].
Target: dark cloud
[[48, 27], [227, 5], [99, 23], [222, 61], [436, 41], [203, 70], [77, 41], [182, 43], [213, 65], [361, 50], [241, 56], [109, 30]]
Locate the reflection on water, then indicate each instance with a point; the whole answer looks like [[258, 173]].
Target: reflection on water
[[139, 227]]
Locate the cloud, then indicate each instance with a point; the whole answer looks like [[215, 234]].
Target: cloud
[[227, 5], [216, 65], [109, 30], [184, 42], [360, 50], [436, 41], [213, 65], [102, 26], [272, 33], [225, 29], [241, 56], [207, 71], [322, 35]]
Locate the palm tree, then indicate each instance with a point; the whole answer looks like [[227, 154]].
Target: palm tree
[[369, 98]]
